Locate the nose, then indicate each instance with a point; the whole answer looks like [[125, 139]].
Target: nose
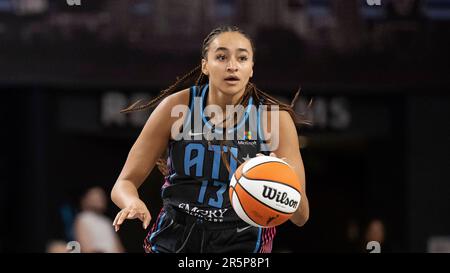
[[232, 66]]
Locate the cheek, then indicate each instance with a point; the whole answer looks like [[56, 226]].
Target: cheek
[[247, 68], [248, 72], [216, 68]]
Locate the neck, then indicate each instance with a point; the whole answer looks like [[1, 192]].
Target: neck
[[216, 97]]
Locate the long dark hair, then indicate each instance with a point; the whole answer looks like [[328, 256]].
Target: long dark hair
[[196, 77]]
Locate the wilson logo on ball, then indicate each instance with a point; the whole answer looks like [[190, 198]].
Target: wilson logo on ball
[[279, 197], [265, 191]]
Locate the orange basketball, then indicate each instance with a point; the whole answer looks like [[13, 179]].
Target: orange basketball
[[265, 191]]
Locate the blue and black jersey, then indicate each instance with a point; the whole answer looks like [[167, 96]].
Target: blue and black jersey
[[197, 215], [199, 179]]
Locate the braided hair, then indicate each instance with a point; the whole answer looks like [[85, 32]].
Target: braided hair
[[197, 77]]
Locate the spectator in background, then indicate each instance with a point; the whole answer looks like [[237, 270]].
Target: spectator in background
[[353, 237], [376, 231], [56, 246], [404, 10], [92, 229]]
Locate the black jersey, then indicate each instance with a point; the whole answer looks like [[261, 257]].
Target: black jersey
[[198, 179]]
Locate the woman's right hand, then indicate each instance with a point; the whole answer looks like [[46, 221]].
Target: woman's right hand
[[136, 209]]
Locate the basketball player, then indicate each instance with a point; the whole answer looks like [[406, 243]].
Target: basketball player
[[197, 215]]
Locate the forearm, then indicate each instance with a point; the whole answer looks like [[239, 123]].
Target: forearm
[[123, 193], [301, 215]]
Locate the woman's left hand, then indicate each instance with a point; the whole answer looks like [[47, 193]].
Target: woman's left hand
[[274, 155]]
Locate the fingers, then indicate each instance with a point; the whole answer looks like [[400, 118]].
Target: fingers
[[120, 218], [132, 214], [146, 218], [124, 214], [272, 154], [116, 227], [141, 216], [117, 218], [275, 155]]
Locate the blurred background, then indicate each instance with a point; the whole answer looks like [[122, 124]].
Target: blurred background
[[376, 157]]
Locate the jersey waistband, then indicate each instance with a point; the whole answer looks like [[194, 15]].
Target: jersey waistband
[[183, 218]]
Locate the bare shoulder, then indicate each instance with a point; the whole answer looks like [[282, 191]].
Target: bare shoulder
[[171, 109], [180, 97], [279, 118], [285, 117], [287, 125], [165, 107]]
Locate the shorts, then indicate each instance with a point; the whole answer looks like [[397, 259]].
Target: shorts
[[178, 232]]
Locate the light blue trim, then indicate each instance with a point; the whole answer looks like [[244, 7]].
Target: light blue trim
[[187, 121], [156, 231], [191, 105], [197, 161], [219, 194], [247, 112], [260, 132], [259, 240]]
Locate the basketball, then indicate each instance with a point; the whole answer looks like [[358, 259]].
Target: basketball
[[265, 191]]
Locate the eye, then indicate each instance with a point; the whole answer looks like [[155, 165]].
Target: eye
[[243, 58], [221, 57]]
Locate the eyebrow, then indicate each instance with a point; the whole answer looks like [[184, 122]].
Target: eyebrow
[[226, 49]]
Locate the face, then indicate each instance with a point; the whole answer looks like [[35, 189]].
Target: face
[[229, 63], [95, 200], [375, 231]]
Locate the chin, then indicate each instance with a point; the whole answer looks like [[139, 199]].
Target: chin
[[231, 90]]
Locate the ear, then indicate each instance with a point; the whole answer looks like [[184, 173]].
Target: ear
[[205, 67]]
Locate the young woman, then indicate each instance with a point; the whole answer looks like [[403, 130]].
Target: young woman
[[197, 215]]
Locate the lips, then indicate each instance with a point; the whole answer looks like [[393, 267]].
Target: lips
[[232, 79]]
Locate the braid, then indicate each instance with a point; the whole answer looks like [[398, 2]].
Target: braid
[[161, 163], [266, 99], [165, 92], [201, 79], [195, 76]]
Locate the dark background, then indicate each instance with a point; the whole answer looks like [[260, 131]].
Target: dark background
[[378, 76]]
